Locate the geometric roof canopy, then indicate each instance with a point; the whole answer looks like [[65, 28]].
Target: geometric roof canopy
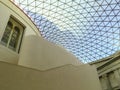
[[90, 29]]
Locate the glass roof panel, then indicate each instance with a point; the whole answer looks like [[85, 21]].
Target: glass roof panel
[[90, 29]]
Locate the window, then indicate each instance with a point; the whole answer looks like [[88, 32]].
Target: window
[[13, 35], [7, 32]]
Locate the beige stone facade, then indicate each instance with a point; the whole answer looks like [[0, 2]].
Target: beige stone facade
[[109, 71]]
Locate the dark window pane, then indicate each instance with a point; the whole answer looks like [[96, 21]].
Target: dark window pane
[[7, 32], [15, 38]]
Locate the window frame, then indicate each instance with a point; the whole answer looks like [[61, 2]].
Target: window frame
[[15, 23]]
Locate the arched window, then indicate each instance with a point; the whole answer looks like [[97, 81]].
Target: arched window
[[7, 33], [14, 37]]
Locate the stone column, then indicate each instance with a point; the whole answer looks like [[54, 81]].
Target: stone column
[[107, 81], [117, 77]]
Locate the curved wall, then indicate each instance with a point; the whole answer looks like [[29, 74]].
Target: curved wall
[[41, 54], [6, 10]]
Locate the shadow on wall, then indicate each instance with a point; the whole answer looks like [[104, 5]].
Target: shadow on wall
[[41, 54]]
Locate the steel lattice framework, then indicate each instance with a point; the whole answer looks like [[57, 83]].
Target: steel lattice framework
[[90, 29]]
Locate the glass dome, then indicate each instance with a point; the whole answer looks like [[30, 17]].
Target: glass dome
[[90, 29]]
